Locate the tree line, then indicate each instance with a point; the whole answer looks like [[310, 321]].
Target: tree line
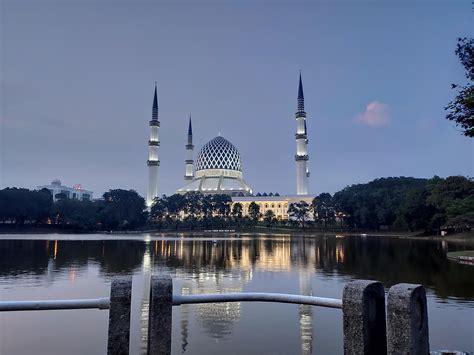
[[118, 209], [408, 204], [394, 203]]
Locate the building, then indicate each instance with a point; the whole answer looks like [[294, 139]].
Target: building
[[301, 136], [218, 170], [277, 204], [153, 161], [75, 192]]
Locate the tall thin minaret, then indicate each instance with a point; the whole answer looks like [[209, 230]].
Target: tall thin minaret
[[189, 154], [301, 157], [153, 159]]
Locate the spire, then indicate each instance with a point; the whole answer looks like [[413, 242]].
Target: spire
[[190, 127], [300, 96], [155, 106]]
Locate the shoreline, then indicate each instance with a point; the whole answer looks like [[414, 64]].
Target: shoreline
[[464, 237]]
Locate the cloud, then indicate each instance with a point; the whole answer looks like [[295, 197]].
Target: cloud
[[375, 115]]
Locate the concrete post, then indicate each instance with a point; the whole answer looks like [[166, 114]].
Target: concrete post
[[363, 308], [159, 318], [119, 316], [407, 320]]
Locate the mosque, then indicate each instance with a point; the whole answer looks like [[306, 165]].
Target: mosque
[[218, 167]]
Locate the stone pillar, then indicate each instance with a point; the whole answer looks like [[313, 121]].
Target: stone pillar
[[407, 320], [363, 308], [118, 342], [159, 318]]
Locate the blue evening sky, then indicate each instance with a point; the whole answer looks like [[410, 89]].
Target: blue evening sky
[[78, 77]]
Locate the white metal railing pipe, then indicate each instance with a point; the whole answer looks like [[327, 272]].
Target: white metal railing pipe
[[41, 305], [257, 297], [104, 303]]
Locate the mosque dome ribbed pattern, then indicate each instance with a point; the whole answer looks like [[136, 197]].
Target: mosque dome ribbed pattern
[[218, 153]]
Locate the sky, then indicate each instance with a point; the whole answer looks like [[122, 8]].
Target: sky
[[77, 81]]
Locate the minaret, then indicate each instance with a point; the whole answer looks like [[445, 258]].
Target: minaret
[[189, 154], [153, 160], [301, 157]]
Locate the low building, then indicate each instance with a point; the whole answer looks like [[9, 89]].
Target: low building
[[75, 192], [277, 204]]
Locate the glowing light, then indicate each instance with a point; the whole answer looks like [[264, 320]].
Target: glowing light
[[55, 249]]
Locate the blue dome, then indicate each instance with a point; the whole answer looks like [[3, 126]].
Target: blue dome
[[218, 153]]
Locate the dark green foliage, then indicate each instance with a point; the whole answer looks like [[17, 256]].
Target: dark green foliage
[[299, 211], [324, 209], [387, 203], [407, 203], [254, 212], [461, 109], [414, 213], [237, 210], [451, 198], [375, 204], [76, 214], [269, 218], [60, 196], [21, 206], [122, 209], [194, 210]]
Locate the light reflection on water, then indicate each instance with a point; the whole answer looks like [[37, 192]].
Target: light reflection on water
[[48, 268]]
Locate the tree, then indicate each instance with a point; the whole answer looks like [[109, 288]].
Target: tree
[[414, 212], [193, 204], [460, 207], [60, 196], [158, 210], [461, 109], [236, 213], [254, 212], [221, 204], [237, 210], [374, 204], [123, 209], [76, 213], [23, 205], [299, 211], [452, 196], [269, 218], [323, 208]]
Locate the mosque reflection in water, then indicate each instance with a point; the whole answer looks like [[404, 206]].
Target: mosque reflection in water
[[203, 265], [225, 266]]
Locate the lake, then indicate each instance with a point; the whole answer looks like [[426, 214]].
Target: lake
[[82, 266]]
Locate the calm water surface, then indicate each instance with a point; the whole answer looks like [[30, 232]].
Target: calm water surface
[[62, 267]]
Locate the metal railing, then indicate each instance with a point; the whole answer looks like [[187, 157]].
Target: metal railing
[[257, 297], [104, 303], [367, 329], [49, 305]]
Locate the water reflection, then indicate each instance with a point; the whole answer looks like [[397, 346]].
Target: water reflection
[[387, 260], [201, 265], [306, 315]]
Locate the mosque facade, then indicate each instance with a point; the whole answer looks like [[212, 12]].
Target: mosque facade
[[218, 169]]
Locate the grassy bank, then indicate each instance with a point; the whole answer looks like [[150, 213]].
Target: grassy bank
[[456, 254]]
